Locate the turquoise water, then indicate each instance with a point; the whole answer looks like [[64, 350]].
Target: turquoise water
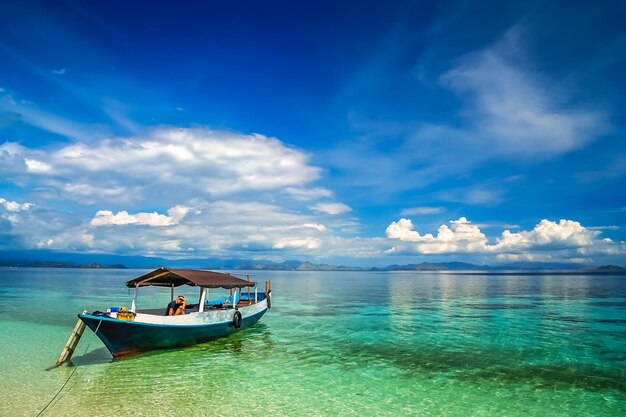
[[334, 344]]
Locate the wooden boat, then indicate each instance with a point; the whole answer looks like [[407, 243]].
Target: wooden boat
[[129, 332]]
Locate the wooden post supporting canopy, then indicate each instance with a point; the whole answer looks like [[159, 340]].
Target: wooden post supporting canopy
[[203, 293], [133, 304]]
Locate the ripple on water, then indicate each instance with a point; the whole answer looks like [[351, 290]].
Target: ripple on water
[[501, 306]]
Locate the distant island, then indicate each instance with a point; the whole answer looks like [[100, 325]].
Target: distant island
[[610, 268], [53, 264], [43, 259], [426, 266]]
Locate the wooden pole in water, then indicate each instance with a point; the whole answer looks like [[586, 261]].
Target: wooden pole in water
[[72, 342], [248, 278], [268, 289]]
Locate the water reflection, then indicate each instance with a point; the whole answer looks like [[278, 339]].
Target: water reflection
[[564, 287], [402, 300]]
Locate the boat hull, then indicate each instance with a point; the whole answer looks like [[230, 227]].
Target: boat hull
[[125, 338]]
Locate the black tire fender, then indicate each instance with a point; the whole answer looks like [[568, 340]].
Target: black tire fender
[[237, 319], [268, 297]]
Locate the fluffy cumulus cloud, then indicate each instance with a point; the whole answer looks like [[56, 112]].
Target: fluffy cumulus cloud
[[178, 162], [14, 206], [225, 228], [460, 236], [307, 243], [25, 225], [210, 192], [107, 218], [229, 228], [548, 240], [13, 215]]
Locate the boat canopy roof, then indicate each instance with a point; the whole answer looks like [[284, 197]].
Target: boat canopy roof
[[167, 277]]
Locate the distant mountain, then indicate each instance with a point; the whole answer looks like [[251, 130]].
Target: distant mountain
[[610, 268], [294, 266], [51, 259], [27, 258], [539, 266], [441, 266], [53, 264]]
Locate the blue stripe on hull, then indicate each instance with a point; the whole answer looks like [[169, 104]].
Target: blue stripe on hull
[[124, 338]]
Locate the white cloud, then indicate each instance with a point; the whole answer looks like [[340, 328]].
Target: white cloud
[[308, 193], [307, 243], [59, 71], [244, 195], [331, 208], [178, 163], [508, 112], [107, 218], [403, 230], [461, 236], [421, 210], [513, 111], [316, 226], [91, 192], [35, 166], [119, 113], [86, 238], [28, 113], [13, 206], [568, 238], [26, 225], [566, 232], [611, 227], [475, 195], [244, 229], [11, 149]]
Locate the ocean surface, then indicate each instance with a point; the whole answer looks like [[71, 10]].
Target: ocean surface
[[334, 344]]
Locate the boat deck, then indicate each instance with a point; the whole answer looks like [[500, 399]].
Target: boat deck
[[193, 308]]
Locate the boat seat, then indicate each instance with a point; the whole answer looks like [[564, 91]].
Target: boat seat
[[154, 311], [161, 311]]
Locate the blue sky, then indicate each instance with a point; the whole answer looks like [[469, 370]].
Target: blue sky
[[363, 133]]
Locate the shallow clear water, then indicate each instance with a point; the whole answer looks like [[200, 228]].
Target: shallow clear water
[[334, 343]]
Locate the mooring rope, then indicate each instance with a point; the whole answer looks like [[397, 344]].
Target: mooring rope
[[68, 378], [63, 386], [97, 327]]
